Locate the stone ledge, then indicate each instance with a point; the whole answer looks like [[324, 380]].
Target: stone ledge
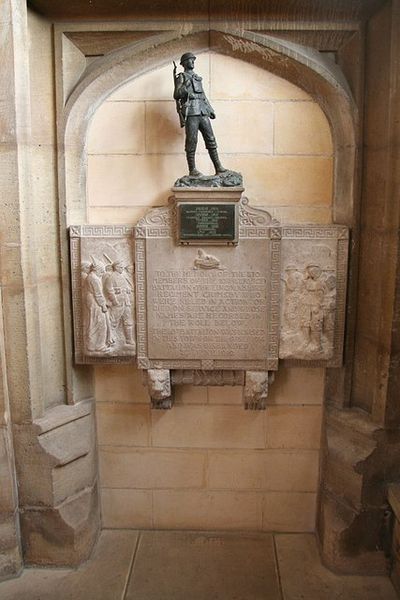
[[63, 414], [354, 420]]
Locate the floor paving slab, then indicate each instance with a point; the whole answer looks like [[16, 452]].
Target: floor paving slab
[[204, 566], [303, 577], [103, 577]]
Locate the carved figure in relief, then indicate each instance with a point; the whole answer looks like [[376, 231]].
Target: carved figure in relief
[[118, 293], [159, 384], [195, 113], [206, 261], [85, 269], [97, 330], [308, 313], [329, 305], [312, 323]]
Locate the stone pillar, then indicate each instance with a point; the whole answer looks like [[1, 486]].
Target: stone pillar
[[362, 443], [10, 551], [54, 442]]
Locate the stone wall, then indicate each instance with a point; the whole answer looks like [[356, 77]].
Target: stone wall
[[207, 463], [10, 551]]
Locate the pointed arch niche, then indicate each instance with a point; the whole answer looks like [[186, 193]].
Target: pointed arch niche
[[305, 68], [318, 81]]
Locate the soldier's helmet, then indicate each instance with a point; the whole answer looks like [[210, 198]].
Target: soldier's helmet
[[186, 56]]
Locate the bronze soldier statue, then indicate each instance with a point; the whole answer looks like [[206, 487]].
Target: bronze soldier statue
[[195, 113]]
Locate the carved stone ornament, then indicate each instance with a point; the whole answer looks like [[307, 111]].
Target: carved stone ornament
[[103, 294], [159, 385]]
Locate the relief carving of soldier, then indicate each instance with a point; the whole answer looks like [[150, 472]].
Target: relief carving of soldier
[[309, 312], [118, 295], [312, 325], [195, 113], [97, 328]]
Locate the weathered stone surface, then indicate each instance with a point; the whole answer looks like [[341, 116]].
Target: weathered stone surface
[[48, 461], [103, 577], [303, 575], [351, 521], [63, 535], [210, 566], [10, 551]]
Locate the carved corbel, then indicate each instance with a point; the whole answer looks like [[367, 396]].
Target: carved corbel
[[160, 390], [255, 389]]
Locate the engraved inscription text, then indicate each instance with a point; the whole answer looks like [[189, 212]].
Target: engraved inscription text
[[219, 313]]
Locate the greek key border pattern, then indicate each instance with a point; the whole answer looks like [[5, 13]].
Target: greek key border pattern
[[79, 231], [315, 232], [254, 232], [274, 301], [141, 315], [76, 294]]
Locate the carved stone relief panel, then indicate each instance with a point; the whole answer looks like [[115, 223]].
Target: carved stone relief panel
[[208, 308], [102, 269], [313, 291]]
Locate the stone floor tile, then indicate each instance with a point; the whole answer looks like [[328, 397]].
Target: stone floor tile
[[103, 577], [204, 566], [303, 577]]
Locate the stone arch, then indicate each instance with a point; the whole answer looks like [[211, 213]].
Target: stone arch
[[303, 67]]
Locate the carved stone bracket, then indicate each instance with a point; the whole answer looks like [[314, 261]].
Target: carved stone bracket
[[255, 391], [160, 390]]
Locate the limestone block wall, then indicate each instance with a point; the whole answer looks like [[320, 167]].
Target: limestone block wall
[[207, 463]]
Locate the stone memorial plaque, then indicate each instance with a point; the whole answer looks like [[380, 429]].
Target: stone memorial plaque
[[208, 307], [103, 301], [313, 294], [202, 222]]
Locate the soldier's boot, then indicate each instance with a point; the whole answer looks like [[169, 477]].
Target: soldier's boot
[[193, 172], [128, 330], [213, 152]]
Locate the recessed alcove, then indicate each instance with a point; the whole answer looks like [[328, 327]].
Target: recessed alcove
[[223, 466]]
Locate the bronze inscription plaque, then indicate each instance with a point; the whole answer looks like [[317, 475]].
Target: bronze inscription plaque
[[199, 222]]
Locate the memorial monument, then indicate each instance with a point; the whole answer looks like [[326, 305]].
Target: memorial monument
[[222, 291]]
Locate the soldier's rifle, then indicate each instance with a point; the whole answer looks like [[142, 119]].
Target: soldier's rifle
[[179, 106]]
